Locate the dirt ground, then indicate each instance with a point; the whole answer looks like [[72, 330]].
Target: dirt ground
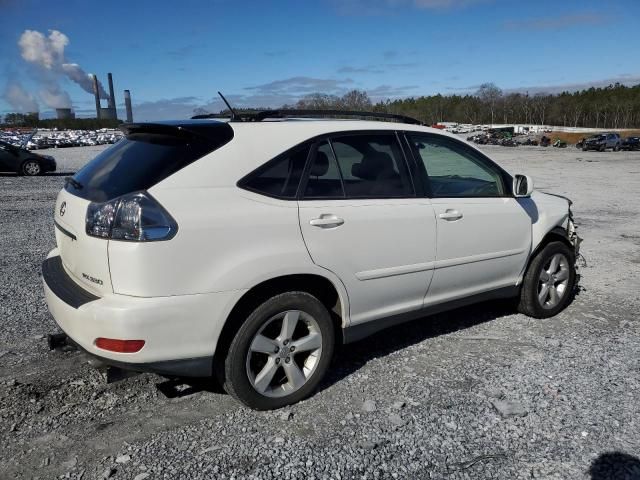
[[481, 392]]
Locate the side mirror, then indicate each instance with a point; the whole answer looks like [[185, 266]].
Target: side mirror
[[522, 186]]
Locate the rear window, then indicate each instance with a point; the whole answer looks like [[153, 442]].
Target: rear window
[[145, 157]]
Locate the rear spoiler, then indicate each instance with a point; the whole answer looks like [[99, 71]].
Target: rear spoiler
[[211, 132]]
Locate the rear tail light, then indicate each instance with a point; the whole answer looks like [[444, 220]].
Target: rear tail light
[[136, 217], [119, 346]]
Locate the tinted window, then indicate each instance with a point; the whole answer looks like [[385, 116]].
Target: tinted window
[[372, 166], [143, 159], [324, 176], [454, 169], [281, 176]]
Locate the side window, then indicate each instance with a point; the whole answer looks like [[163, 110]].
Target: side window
[[279, 177], [455, 170], [372, 166], [324, 176]]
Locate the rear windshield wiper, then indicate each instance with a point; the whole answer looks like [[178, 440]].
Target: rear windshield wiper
[[74, 183]]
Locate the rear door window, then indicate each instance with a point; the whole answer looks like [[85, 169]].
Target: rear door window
[[324, 180], [368, 166]]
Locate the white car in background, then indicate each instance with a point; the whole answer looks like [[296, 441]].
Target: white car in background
[[247, 250]]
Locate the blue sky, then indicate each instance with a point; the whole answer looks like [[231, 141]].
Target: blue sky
[[174, 55]]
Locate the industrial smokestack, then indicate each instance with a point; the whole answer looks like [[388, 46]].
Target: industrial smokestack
[[96, 92], [127, 106], [112, 98], [64, 114]]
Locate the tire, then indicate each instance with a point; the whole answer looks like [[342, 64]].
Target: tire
[[616, 148], [31, 168], [265, 381], [535, 303], [603, 148]]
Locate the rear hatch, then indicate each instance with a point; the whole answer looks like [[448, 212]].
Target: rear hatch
[[84, 257], [148, 154]]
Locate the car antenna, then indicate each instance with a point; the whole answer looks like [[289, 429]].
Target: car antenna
[[234, 115]]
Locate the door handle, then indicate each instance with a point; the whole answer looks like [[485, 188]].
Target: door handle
[[326, 221], [451, 215]]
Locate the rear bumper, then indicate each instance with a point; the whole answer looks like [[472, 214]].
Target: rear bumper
[[180, 332]]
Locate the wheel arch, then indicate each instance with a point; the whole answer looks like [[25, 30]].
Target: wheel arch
[[332, 296], [558, 234]]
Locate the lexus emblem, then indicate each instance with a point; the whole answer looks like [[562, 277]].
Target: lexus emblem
[[63, 208]]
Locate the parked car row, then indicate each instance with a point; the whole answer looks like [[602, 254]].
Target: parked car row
[[613, 141], [61, 138]]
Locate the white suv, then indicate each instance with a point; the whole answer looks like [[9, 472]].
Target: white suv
[[248, 250]]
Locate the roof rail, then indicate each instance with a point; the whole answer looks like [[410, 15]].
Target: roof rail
[[201, 116], [259, 116], [281, 113]]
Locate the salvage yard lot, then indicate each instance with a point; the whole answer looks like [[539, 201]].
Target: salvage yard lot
[[480, 392]]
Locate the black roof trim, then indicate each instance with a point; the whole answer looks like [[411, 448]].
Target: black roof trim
[[184, 129], [283, 113]]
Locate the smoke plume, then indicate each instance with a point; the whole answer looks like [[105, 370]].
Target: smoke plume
[[19, 98], [55, 97], [46, 53]]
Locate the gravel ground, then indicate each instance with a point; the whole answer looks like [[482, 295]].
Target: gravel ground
[[480, 392]]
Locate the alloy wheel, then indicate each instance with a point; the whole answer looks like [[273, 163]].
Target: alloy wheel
[[553, 281], [32, 168], [284, 353]]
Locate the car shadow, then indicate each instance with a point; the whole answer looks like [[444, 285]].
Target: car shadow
[[614, 466], [47, 174], [59, 174], [351, 358]]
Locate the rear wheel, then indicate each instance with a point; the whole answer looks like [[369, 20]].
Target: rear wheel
[[549, 282], [31, 168], [281, 352]]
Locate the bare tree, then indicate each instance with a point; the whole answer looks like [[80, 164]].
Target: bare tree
[[490, 94], [355, 100]]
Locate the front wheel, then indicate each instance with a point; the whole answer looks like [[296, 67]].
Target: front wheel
[[31, 168], [549, 283], [281, 352]]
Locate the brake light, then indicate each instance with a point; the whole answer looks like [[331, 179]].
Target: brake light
[[119, 346], [136, 217]]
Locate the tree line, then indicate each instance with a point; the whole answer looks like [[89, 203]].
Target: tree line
[[32, 120], [614, 107]]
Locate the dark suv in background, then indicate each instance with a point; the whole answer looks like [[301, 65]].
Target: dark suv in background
[[602, 141], [22, 161], [630, 143]]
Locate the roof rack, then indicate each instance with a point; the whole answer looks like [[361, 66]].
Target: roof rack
[[283, 113], [265, 114]]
